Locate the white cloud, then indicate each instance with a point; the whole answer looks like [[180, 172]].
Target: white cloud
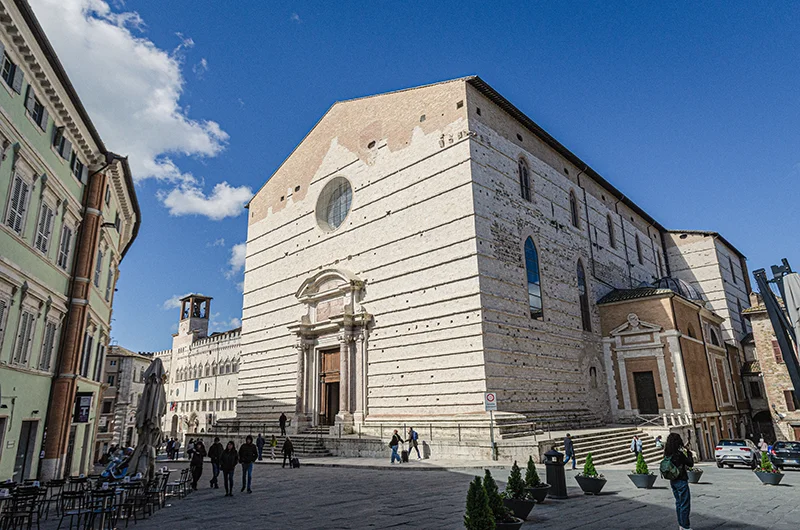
[[174, 302], [215, 324], [217, 243], [236, 261], [200, 68], [189, 199], [295, 18]]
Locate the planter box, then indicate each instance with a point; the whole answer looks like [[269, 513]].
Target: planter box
[[694, 476], [590, 485], [773, 479], [520, 507], [538, 493], [516, 525], [643, 481]]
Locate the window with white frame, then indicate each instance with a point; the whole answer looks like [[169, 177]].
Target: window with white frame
[[64, 247], [48, 346], [35, 109], [3, 314], [78, 168], [98, 268], [17, 204], [109, 282], [61, 145], [99, 359], [22, 348], [44, 228], [88, 344], [11, 73]]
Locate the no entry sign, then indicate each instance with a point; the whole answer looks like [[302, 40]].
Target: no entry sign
[[490, 400]]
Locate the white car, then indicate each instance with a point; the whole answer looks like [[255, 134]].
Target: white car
[[741, 452]]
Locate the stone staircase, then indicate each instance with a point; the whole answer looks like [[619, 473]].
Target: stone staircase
[[542, 422], [614, 447]]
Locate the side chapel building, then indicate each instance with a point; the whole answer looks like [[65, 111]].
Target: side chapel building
[[421, 247]]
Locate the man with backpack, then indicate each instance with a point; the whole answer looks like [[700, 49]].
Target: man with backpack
[[569, 451], [677, 460], [412, 442], [214, 453], [394, 444]]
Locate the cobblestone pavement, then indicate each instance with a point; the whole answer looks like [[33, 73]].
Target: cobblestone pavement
[[340, 497]]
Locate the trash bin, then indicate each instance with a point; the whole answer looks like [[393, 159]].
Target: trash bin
[[554, 463]]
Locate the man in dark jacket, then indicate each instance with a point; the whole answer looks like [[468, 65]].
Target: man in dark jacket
[[247, 455], [196, 463], [260, 441], [394, 444], [569, 451], [214, 452], [288, 450], [282, 423]]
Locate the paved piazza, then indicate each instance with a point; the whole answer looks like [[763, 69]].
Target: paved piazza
[[344, 497]]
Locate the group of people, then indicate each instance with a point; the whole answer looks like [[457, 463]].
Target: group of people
[[397, 441], [173, 448]]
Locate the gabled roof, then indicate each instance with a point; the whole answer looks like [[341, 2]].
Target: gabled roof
[[712, 234]]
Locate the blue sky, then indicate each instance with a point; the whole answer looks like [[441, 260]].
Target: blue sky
[[691, 110]]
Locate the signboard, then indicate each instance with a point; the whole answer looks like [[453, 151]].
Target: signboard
[[490, 401], [103, 421], [83, 404], [196, 385]]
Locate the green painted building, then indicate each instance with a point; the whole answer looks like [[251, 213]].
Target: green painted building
[[69, 214]]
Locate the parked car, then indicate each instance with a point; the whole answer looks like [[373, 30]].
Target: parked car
[[785, 454], [741, 452]]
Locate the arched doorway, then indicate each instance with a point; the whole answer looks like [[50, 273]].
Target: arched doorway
[[173, 431], [763, 426]]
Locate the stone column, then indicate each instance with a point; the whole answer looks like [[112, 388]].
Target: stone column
[[360, 387], [301, 419], [344, 372]]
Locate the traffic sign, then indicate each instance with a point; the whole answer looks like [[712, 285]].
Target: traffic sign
[[490, 400]]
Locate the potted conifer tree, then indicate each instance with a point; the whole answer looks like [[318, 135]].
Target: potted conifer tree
[[503, 519], [515, 497], [479, 514], [641, 476], [766, 472], [590, 481], [535, 488]]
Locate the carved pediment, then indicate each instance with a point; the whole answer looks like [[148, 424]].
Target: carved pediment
[[634, 326], [327, 284]]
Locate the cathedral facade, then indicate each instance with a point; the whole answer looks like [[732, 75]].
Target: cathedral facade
[[420, 248]]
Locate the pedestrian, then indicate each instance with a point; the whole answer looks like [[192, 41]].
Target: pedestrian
[[170, 442], [227, 461], [394, 444], [282, 423], [196, 463], [659, 443], [214, 452], [190, 448], [412, 442], [176, 449], [260, 441], [288, 451], [762, 444], [273, 444], [636, 446], [569, 451], [675, 450], [247, 455]]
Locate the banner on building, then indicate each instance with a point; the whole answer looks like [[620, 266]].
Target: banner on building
[[83, 404]]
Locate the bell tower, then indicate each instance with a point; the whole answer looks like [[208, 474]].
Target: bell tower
[[195, 309]]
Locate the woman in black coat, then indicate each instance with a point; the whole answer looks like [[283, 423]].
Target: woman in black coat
[[227, 462], [196, 464]]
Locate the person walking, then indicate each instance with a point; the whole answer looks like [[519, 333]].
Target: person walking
[[412, 442], [636, 446], [659, 443], [169, 448], [569, 451], [395, 444], [214, 453], [190, 449], [196, 463], [762, 445], [176, 449], [681, 458], [247, 455], [282, 423], [288, 451], [273, 444], [260, 441], [227, 461]]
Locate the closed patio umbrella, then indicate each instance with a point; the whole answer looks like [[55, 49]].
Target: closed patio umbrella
[[791, 285], [152, 407]]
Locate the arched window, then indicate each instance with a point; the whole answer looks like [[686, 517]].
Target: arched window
[[208, 370], [524, 180], [573, 210], [714, 337], [593, 377], [534, 280], [690, 332], [639, 250], [214, 368], [612, 238], [583, 295]]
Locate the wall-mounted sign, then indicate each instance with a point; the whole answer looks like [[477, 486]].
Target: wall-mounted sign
[[83, 404]]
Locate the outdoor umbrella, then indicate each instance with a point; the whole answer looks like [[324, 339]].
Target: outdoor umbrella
[[791, 284], [152, 407]]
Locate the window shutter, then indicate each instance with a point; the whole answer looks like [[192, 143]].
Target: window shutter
[[2, 51], [789, 396], [67, 150], [13, 206], [85, 175], [58, 134], [43, 119], [18, 78], [63, 252], [776, 351], [2, 314], [40, 228], [30, 99], [48, 229]]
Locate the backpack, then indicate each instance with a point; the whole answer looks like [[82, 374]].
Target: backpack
[[414, 435], [669, 470]]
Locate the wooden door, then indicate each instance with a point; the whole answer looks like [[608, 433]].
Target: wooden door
[[645, 392], [329, 386]]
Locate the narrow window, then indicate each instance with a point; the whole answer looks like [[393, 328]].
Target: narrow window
[[714, 337], [524, 181], [593, 377], [733, 272], [791, 400], [98, 361], [534, 280], [46, 357], [9, 68], [88, 343], [583, 295], [109, 282], [44, 228], [639, 250], [98, 268], [108, 195], [612, 238], [3, 307], [24, 336], [755, 389], [35, 108], [573, 210], [17, 204], [776, 351], [690, 332], [63, 248]]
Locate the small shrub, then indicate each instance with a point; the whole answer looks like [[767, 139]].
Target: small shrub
[[766, 465], [479, 514], [515, 487], [493, 494], [641, 466], [531, 476], [589, 469]]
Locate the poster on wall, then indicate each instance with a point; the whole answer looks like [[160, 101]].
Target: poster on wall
[[83, 404]]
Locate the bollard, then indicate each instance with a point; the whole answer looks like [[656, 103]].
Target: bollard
[[554, 463]]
